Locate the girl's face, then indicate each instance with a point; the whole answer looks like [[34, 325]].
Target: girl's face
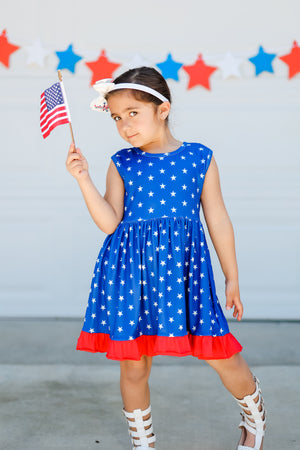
[[139, 123]]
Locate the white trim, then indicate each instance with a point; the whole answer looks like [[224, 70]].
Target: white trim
[[65, 100]]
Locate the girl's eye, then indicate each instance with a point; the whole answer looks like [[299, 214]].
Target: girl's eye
[[132, 113], [117, 118]]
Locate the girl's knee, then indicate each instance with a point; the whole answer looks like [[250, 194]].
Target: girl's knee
[[136, 371], [227, 363]]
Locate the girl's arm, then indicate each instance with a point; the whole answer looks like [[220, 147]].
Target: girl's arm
[[107, 211], [222, 236]]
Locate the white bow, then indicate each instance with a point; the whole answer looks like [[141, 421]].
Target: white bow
[[103, 87]]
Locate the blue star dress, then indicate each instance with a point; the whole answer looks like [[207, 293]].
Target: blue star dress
[[153, 290]]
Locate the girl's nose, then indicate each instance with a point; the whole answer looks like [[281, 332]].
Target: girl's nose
[[125, 124]]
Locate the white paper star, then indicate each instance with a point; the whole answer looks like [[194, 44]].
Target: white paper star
[[230, 66], [37, 53]]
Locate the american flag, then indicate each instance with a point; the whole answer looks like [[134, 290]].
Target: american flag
[[54, 109]]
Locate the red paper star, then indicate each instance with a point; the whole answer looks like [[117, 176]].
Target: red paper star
[[6, 49], [199, 73], [292, 59], [102, 68]]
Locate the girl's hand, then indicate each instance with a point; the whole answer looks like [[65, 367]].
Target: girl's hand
[[76, 163], [233, 298]]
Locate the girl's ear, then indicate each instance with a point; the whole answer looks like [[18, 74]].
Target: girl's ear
[[163, 110]]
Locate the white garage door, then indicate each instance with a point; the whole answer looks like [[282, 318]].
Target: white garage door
[[49, 244]]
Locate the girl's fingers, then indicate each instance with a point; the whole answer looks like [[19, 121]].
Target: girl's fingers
[[229, 304], [238, 312], [73, 157], [72, 149], [238, 308]]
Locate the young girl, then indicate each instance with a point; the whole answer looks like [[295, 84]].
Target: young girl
[[153, 291]]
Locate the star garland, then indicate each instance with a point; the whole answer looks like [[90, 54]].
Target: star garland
[[292, 59], [101, 68], [6, 49], [262, 61], [68, 59], [199, 73]]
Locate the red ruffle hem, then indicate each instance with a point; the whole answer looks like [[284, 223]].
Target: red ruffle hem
[[202, 347]]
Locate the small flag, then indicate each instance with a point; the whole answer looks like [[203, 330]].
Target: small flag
[[54, 109]]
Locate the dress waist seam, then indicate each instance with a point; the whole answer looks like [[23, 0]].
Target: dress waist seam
[[159, 218]]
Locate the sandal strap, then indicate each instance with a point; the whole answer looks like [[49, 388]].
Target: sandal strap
[[259, 429], [253, 419], [132, 415], [244, 447], [142, 437], [253, 407], [142, 447]]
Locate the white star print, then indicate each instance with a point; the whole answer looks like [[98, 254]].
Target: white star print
[[157, 243]]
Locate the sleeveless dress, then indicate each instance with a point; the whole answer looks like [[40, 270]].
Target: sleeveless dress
[[153, 290]]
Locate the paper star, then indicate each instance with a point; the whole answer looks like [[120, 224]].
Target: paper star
[[137, 61], [102, 68], [199, 73], [6, 49], [230, 66], [292, 59], [68, 59], [37, 53], [263, 61], [169, 68]]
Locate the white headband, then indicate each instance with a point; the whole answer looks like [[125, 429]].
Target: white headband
[[103, 87]]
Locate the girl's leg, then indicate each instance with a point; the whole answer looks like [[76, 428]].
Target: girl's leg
[[135, 393], [239, 381]]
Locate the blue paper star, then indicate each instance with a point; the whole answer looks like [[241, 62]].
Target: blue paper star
[[68, 59], [169, 68], [263, 61]]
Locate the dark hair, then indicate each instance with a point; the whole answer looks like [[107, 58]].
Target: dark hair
[[148, 76]]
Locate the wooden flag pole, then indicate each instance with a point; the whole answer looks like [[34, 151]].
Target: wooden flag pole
[[65, 99]]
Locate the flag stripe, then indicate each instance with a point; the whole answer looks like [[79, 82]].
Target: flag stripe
[[61, 122], [48, 117], [56, 119]]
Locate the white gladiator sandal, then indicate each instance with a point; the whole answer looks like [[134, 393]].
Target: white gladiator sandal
[[142, 437], [253, 419]]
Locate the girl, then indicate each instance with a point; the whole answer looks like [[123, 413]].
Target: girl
[[153, 290]]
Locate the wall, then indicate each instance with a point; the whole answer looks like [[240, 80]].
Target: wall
[[49, 243]]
